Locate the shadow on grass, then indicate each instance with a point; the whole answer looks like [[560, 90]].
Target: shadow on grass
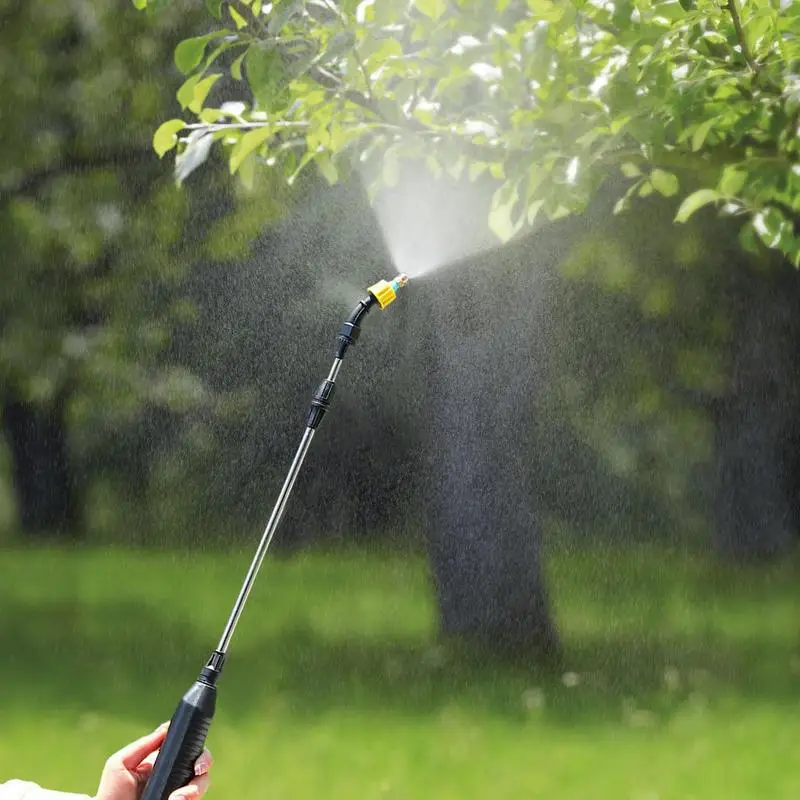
[[120, 659]]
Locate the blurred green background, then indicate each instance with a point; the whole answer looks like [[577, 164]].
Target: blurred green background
[[158, 347], [680, 678]]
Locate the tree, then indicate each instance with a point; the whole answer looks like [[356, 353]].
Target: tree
[[549, 97], [682, 378], [692, 100], [486, 370], [95, 246]]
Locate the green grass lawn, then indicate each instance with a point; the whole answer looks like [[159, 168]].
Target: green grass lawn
[[684, 677]]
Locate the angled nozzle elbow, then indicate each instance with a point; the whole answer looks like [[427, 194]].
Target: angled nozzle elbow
[[383, 293]]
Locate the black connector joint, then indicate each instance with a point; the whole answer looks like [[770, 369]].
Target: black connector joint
[[350, 330], [213, 668], [320, 403], [347, 335]]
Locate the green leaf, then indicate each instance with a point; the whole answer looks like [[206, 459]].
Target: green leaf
[[535, 178], [771, 226], [432, 163], [748, 239], [758, 26], [327, 168], [211, 115], [504, 203], [732, 181], [695, 201], [431, 8], [247, 170], [533, 210], [238, 19], [166, 137], [214, 8], [304, 162], [476, 169], [185, 94], [391, 169], [265, 74], [618, 124], [546, 10], [140, 4], [630, 170], [236, 66], [664, 182], [455, 169], [283, 14], [201, 90], [217, 51], [337, 46], [189, 53], [701, 133], [247, 144], [560, 212], [365, 11]]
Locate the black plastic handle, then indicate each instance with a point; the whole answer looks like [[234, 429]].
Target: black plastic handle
[[184, 742]]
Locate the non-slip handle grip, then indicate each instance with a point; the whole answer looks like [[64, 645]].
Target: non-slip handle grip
[[184, 742]]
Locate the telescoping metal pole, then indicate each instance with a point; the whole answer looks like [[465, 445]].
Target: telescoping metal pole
[[274, 520], [189, 725]]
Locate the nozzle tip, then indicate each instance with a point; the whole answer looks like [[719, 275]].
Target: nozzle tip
[[385, 292]]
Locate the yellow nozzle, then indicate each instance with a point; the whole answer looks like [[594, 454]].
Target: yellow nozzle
[[385, 292]]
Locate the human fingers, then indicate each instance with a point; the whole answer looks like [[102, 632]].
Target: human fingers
[[145, 769], [198, 786], [203, 763], [193, 790], [132, 755], [201, 767]]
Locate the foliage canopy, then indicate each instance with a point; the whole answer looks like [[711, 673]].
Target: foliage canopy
[[695, 99]]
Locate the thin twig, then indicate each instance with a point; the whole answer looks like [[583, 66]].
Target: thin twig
[[343, 18], [737, 24], [335, 11], [363, 69], [222, 126]]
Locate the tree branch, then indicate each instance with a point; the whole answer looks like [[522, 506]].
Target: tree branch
[[363, 69], [737, 24], [330, 81]]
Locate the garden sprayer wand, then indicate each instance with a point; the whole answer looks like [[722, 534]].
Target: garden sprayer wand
[[189, 725]]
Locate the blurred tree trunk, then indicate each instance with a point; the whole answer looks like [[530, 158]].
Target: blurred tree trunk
[[757, 421], [483, 533], [43, 484]]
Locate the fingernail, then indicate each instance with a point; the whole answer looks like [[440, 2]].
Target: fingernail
[[162, 726], [201, 766]]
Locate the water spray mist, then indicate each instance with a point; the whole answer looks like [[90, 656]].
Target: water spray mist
[[191, 721]]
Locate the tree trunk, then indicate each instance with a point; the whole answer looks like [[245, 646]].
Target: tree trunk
[[482, 531], [484, 538], [43, 482], [757, 422]]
